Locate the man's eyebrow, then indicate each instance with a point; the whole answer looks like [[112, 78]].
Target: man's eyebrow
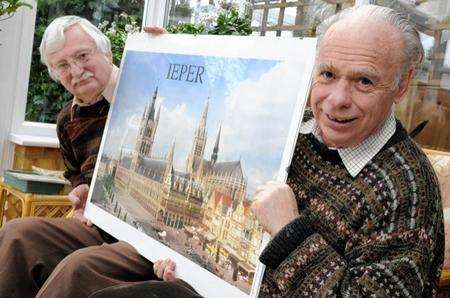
[[325, 66], [358, 72], [364, 72], [73, 55], [78, 52], [59, 61]]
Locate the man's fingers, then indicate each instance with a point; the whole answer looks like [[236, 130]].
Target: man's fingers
[[274, 206], [159, 271], [260, 189], [171, 264], [271, 187], [83, 192], [273, 182], [164, 269], [267, 186], [85, 189], [75, 200], [78, 196], [78, 214], [254, 206], [79, 217], [157, 268], [169, 275], [167, 264], [154, 30]]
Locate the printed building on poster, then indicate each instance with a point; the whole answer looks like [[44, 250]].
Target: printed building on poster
[[233, 233], [209, 195]]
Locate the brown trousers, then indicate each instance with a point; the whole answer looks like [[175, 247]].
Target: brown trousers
[[152, 288], [64, 258]]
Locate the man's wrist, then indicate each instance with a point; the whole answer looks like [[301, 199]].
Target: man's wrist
[[286, 241], [274, 232]]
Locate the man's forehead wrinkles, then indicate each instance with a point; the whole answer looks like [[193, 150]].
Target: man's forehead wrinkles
[[350, 57], [70, 50], [373, 53], [348, 46], [335, 58]]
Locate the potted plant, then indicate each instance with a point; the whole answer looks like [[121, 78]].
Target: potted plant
[[227, 22]]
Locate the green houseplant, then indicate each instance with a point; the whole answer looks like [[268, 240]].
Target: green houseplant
[[231, 23], [228, 22], [117, 32]]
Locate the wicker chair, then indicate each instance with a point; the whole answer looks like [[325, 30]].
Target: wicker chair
[[16, 204]]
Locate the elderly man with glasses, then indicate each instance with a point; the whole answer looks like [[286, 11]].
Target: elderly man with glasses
[[46, 257], [79, 56]]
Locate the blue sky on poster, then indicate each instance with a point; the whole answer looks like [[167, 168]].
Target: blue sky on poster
[[253, 99]]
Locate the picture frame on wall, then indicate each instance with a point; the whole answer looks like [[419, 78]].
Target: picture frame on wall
[[195, 126]]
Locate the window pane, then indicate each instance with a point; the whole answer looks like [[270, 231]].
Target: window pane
[[200, 11], [428, 99], [287, 34], [257, 18], [272, 18], [46, 97], [271, 33], [299, 17], [289, 15]]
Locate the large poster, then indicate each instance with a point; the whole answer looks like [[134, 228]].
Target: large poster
[[198, 122]]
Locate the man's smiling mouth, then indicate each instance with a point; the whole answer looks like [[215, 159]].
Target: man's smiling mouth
[[341, 120]]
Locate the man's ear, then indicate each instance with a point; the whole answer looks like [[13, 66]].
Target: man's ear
[[403, 86], [109, 57]]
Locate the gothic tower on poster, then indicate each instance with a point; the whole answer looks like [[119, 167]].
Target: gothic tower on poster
[[198, 146], [147, 131]]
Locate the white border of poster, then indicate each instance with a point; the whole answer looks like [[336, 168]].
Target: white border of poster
[[275, 48]]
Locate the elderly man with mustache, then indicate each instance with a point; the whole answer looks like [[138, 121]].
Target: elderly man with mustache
[[59, 257]]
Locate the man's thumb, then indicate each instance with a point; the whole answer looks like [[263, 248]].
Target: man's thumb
[[74, 199]]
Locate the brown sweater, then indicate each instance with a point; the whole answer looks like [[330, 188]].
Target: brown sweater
[[379, 234], [80, 132]]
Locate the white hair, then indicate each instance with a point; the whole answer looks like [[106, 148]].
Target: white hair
[[412, 51], [54, 39]]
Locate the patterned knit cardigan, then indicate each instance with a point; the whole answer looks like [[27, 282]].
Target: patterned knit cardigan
[[379, 234], [80, 131]]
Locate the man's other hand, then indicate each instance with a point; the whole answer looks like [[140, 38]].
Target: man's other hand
[[155, 30], [165, 269], [78, 197], [274, 206]]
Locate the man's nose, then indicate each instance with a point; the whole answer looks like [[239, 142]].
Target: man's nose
[[340, 95], [75, 70]]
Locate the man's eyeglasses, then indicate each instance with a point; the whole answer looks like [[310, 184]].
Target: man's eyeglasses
[[80, 59]]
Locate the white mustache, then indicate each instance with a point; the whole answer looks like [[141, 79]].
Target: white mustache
[[84, 76]]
